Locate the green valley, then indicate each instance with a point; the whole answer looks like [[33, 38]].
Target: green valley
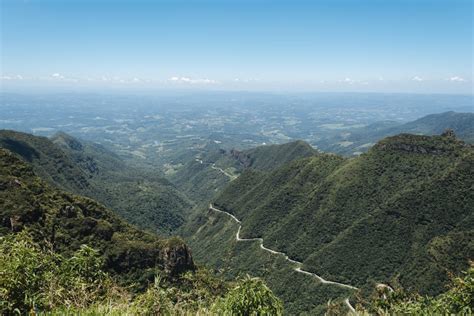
[[236, 158], [142, 197], [203, 177], [264, 218], [67, 254]]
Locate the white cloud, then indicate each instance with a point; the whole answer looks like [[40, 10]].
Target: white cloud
[[57, 76], [206, 81], [188, 80], [351, 81], [245, 80], [348, 80], [457, 79], [12, 77], [115, 79], [416, 78]]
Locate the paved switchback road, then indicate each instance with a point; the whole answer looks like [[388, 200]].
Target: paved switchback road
[[297, 263]]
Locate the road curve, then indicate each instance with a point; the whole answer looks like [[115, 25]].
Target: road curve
[[299, 264], [213, 166]]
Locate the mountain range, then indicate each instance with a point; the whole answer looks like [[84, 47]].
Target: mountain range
[[67, 221], [316, 226], [142, 197], [361, 139], [400, 214]]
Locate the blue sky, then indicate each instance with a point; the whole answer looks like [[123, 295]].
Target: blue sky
[[327, 45]]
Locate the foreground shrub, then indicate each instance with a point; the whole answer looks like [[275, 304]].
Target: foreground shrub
[[251, 297], [34, 279], [155, 301]]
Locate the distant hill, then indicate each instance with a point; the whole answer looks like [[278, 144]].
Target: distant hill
[[50, 162], [142, 197], [68, 221], [461, 123], [360, 140], [203, 177], [404, 211], [270, 157]]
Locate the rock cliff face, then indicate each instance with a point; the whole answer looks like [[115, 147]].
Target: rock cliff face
[[448, 133], [177, 258]]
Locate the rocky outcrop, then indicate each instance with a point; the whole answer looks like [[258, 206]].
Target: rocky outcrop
[[448, 133], [89, 164], [177, 258], [241, 157]]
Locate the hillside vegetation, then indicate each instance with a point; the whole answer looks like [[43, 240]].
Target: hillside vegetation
[[35, 280], [214, 244], [68, 221], [402, 213], [142, 197], [64, 254], [201, 182], [270, 157], [458, 299]]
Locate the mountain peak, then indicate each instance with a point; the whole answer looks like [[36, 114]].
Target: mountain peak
[[65, 140], [445, 143]]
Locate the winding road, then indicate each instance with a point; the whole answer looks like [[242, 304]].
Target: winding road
[[299, 264], [213, 166]]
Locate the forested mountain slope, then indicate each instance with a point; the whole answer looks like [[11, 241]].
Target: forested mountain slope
[[461, 123], [50, 162], [269, 157], [404, 210], [203, 177], [387, 207], [142, 197], [68, 221], [67, 254]]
